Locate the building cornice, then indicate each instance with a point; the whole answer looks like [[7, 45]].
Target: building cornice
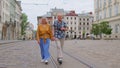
[[113, 18]]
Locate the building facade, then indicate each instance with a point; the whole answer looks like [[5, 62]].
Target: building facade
[[71, 19], [10, 11], [4, 18], [108, 10], [79, 24], [18, 20]]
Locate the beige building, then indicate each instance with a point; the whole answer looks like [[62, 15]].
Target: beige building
[[108, 10], [79, 24], [85, 22], [18, 20], [71, 18], [10, 19], [4, 17]]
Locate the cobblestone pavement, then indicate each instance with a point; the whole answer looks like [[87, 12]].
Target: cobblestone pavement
[[8, 41], [98, 53], [77, 54]]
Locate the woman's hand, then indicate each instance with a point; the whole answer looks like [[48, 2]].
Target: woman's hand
[[53, 38], [38, 42]]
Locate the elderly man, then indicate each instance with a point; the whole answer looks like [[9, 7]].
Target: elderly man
[[59, 32]]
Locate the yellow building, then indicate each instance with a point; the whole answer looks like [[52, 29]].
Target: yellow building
[[108, 10]]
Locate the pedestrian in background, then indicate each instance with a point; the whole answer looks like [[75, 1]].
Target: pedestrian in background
[[44, 35]]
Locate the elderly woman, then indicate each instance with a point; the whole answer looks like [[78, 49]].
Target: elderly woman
[[44, 35]]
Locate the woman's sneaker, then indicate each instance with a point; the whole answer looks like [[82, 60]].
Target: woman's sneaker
[[42, 60], [46, 62], [59, 61]]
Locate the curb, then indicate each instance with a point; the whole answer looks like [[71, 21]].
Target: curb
[[10, 42]]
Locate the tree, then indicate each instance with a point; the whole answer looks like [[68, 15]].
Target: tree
[[95, 29], [105, 28], [24, 23], [101, 28]]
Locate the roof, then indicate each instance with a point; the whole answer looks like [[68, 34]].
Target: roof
[[71, 13]]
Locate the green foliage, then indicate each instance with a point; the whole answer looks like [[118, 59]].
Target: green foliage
[[24, 23], [105, 28], [95, 29], [101, 28]]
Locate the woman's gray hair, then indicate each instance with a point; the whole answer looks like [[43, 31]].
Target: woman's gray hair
[[42, 19]]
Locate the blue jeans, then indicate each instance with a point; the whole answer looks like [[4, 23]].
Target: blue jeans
[[44, 47]]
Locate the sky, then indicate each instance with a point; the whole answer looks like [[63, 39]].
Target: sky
[[34, 8]]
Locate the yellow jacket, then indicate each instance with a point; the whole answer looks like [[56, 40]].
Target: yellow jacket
[[44, 31]]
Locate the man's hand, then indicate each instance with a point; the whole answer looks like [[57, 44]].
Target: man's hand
[[63, 28], [38, 42]]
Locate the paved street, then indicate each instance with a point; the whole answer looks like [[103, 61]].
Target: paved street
[[8, 41], [77, 54]]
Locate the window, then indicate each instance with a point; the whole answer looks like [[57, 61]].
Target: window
[[100, 15], [75, 18], [83, 19], [97, 3], [79, 28], [104, 13], [87, 28], [75, 28], [97, 16], [67, 18], [110, 11], [71, 22], [116, 9], [84, 23], [87, 23], [100, 3], [88, 19], [80, 19], [83, 28], [75, 22], [117, 27], [110, 1], [80, 23], [71, 28], [3, 4], [75, 32], [104, 3]]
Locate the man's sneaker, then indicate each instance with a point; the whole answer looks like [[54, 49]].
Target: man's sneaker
[[46, 62], [59, 61]]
